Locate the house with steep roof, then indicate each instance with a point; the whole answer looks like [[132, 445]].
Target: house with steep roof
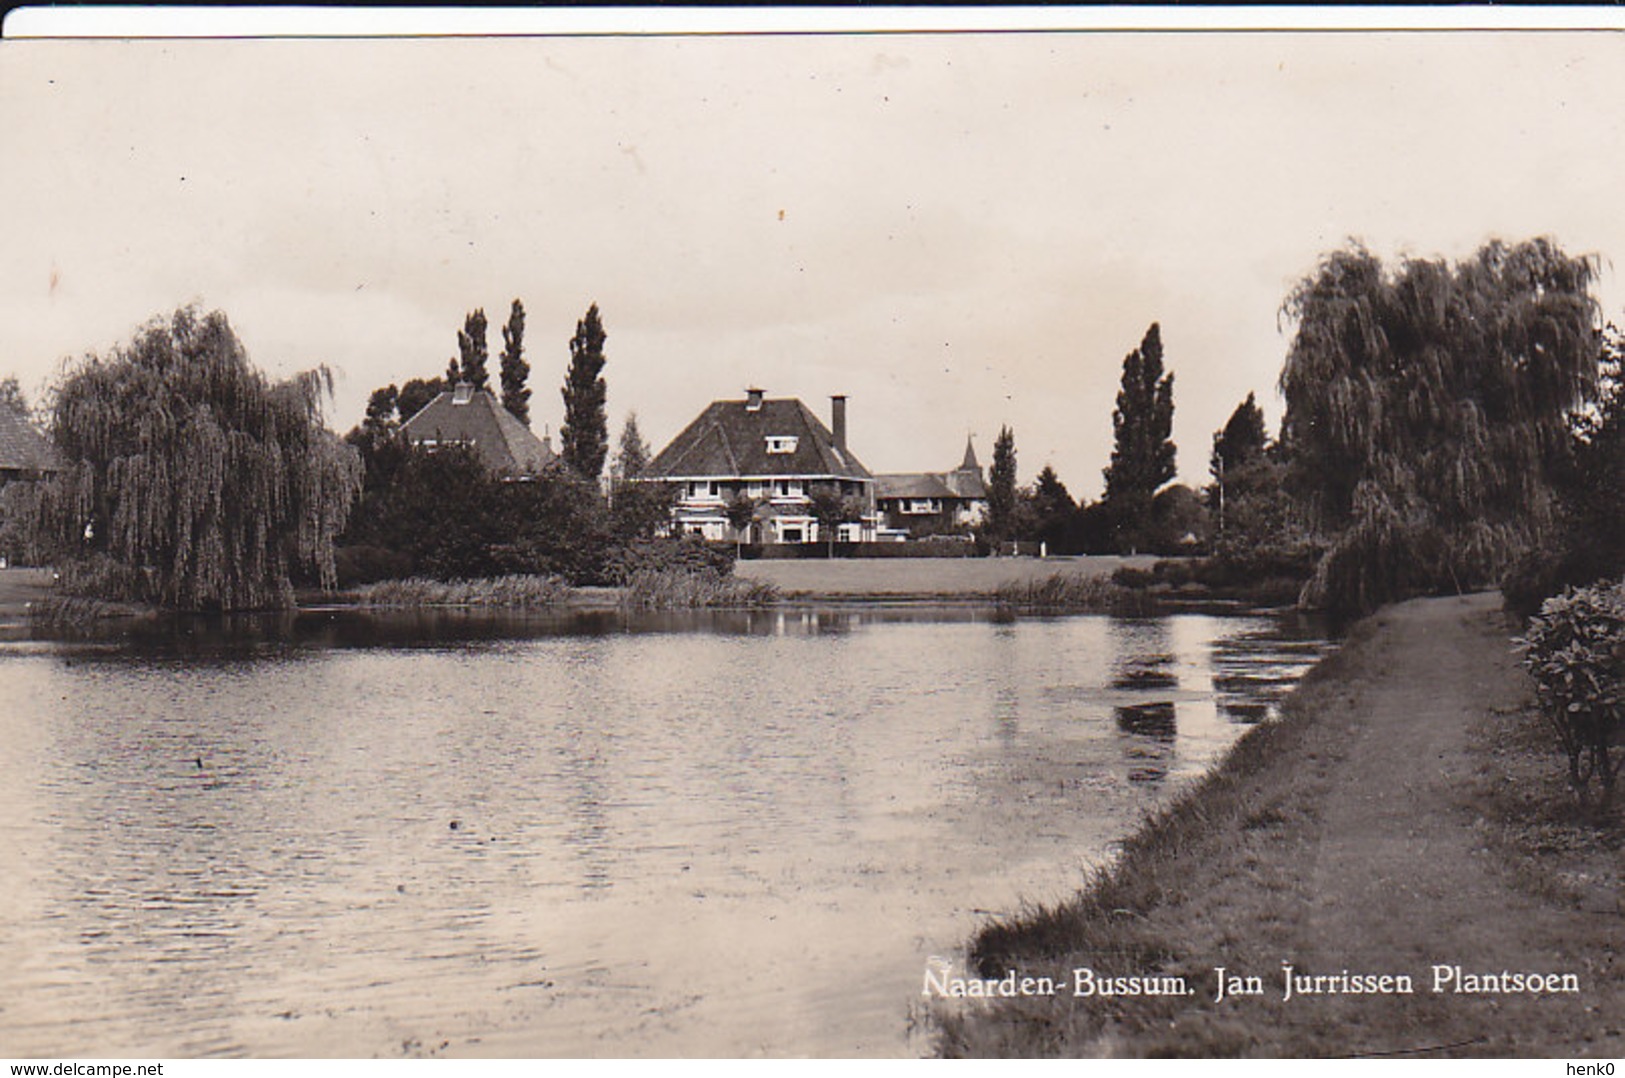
[[918, 504], [775, 454], [25, 453], [475, 418]]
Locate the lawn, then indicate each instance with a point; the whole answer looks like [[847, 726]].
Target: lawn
[[921, 577]]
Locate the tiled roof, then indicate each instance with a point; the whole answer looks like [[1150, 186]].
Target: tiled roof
[[729, 439], [505, 444], [964, 482], [22, 448], [912, 485], [959, 484]]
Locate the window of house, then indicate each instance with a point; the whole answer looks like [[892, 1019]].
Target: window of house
[[755, 490], [781, 443], [787, 488], [703, 488]]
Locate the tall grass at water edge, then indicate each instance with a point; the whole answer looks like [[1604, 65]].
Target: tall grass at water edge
[[679, 589], [1068, 593], [514, 591]]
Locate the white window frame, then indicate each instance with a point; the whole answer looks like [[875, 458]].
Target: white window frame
[[782, 443]]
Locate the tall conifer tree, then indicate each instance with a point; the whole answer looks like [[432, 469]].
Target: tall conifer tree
[[1143, 450], [515, 371], [472, 348], [585, 433], [1001, 486]]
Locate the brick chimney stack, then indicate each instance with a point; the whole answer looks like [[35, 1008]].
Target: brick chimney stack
[[837, 417]]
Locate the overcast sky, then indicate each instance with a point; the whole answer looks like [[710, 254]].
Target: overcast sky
[[956, 231]]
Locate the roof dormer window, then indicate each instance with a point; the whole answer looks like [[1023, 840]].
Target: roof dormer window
[[781, 443], [753, 399], [462, 393]]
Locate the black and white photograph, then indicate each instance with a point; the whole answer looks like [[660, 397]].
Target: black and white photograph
[[779, 534]]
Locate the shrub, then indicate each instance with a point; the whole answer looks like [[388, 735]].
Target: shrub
[[452, 519], [682, 554], [1128, 576], [1575, 650]]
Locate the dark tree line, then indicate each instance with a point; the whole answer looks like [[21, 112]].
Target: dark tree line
[[1140, 510]]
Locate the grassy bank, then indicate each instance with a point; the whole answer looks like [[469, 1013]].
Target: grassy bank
[[1407, 811]]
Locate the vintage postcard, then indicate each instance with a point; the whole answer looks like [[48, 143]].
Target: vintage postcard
[[595, 534]]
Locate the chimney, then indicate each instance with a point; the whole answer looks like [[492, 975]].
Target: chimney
[[753, 400], [837, 420]]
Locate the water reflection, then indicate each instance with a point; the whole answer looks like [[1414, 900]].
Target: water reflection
[[601, 834], [1152, 721], [1152, 733], [193, 635]]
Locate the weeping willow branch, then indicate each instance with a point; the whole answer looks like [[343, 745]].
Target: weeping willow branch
[[1428, 410], [206, 483]]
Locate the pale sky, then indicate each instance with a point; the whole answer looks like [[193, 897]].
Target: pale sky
[[957, 231]]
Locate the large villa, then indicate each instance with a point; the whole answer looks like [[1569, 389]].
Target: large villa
[[769, 458]]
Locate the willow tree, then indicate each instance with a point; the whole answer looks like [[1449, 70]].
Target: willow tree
[[1427, 410], [192, 480]]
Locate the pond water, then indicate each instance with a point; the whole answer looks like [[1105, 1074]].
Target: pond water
[[585, 835]]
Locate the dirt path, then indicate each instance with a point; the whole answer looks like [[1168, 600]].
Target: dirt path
[[1403, 876], [1370, 836]]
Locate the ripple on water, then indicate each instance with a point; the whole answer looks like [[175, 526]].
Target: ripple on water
[[680, 841]]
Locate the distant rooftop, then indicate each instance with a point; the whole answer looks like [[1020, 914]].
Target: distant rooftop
[[464, 415], [22, 448]]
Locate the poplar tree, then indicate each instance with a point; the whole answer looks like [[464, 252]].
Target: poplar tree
[[473, 351], [1142, 459], [514, 370], [1001, 486], [584, 435]]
